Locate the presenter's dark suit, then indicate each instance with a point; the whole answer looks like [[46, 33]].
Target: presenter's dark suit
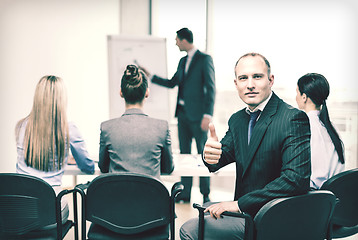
[[275, 164], [197, 91]]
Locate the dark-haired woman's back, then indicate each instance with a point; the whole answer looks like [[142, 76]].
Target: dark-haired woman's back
[[135, 143], [324, 157], [327, 153]]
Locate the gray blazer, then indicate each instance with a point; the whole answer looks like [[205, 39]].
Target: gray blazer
[[135, 143]]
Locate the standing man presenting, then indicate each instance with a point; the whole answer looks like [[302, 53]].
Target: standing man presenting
[[269, 141], [195, 77]]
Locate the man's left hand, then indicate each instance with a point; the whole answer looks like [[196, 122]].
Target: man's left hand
[[218, 208]]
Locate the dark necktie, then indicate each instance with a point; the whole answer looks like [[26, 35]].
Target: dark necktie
[[253, 117]]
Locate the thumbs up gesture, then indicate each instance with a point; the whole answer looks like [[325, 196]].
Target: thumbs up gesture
[[212, 148]]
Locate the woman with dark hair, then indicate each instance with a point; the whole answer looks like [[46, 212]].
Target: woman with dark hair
[[327, 153], [135, 142]]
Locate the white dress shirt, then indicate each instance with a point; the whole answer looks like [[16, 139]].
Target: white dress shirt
[[190, 53], [324, 157], [260, 107]]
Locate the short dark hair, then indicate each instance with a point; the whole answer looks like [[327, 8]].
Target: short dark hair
[[185, 33]]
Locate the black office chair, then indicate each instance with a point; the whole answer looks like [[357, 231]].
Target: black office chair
[[345, 216], [296, 218], [29, 209], [128, 206]]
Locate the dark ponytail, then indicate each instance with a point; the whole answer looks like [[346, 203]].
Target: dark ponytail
[[316, 87], [337, 142], [134, 84]]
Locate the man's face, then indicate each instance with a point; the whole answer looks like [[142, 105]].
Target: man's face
[[252, 82], [180, 44]]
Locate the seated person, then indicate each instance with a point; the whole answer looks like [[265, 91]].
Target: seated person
[[327, 158], [43, 151], [268, 141], [135, 142]]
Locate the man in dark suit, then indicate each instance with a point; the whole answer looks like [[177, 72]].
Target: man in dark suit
[[195, 77], [272, 158]]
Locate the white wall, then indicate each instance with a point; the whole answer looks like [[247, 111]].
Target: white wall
[[134, 17], [60, 37]]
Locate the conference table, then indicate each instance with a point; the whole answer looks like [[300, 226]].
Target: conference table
[[184, 165]]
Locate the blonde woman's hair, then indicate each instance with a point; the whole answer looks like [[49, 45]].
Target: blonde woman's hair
[[46, 141]]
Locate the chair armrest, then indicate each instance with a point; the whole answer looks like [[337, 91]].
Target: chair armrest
[[82, 187], [231, 214], [177, 188], [249, 224], [64, 192]]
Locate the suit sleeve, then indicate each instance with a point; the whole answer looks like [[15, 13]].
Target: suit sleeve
[[169, 83], [296, 167], [209, 85], [166, 162], [104, 159]]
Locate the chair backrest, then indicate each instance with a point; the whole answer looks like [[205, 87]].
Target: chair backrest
[[299, 217], [26, 203], [128, 203], [345, 186]]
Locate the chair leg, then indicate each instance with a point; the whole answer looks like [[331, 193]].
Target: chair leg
[[58, 217], [329, 231], [201, 226], [75, 214], [172, 220], [172, 231], [83, 212]]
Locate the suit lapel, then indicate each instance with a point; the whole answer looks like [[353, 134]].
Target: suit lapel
[[243, 126], [182, 69], [260, 130]]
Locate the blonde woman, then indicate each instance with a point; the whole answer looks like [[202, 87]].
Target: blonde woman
[[45, 136]]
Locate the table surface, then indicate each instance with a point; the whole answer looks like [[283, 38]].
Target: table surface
[[184, 165]]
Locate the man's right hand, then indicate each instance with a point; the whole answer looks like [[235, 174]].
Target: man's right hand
[[144, 70], [212, 148]]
